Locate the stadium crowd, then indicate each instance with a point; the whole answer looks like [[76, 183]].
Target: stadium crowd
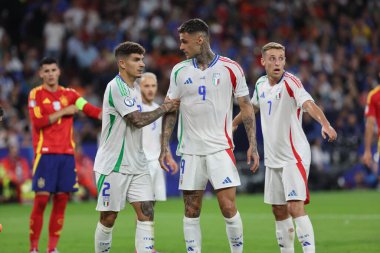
[[332, 46]]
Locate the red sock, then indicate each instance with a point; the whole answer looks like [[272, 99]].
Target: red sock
[[57, 218], [36, 219]]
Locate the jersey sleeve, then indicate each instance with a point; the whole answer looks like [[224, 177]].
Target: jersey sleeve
[[238, 81], [123, 102], [173, 91], [83, 105], [296, 89], [370, 109], [35, 112]]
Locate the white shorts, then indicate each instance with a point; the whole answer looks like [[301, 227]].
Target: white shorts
[[117, 188], [218, 168], [158, 179], [287, 183]]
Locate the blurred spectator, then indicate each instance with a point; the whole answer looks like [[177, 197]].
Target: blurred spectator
[[86, 179], [15, 173], [54, 33]]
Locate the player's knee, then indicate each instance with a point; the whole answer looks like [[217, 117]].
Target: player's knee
[[192, 211], [108, 218], [296, 208], [147, 210], [280, 212], [228, 209]]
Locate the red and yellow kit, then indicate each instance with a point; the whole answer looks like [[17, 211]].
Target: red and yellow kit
[[373, 106], [58, 137]]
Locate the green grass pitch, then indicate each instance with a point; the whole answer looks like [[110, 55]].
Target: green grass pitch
[[344, 222]]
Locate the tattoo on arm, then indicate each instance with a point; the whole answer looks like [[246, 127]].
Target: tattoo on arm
[[141, 119], [168, 123], [193, 203], [249, 120]]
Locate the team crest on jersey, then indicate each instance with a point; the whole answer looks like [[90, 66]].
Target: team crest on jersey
[[278, 95], [216, 79], [64, 101], [57, 105], [128, 101], [41, 182]]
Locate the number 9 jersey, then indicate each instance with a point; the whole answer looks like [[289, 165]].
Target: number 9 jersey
[[205, 114]]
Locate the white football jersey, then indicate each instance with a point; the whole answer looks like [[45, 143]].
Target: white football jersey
[[152, 135], [120, 147], [281, 120], [205, 114]]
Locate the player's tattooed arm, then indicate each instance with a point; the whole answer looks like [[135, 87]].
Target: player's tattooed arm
[[168, 124], [249, 121], [141, 119]]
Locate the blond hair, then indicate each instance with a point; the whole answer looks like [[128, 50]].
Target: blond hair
[[272, 45]]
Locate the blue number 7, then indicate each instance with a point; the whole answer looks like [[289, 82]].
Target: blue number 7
[[202, 91], [270, 106]]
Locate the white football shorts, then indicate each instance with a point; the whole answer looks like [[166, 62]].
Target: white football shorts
[[218, 168], [117, 188], [287, 183], [158, 179]]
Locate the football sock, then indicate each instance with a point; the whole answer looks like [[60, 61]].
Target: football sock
[[144, 238], [285, 235], [103, 238], [192, 233], [57, 218], [36, 219], [234, 228], [305, 233]]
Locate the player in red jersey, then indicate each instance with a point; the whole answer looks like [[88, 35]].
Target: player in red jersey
[[51, 110], [372, 114]]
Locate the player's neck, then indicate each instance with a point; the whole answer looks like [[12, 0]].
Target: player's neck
[[51, 88], [147, 102], [127, 79], [205, 57]]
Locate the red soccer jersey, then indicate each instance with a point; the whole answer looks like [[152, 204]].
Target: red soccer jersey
[[56, 138], [373, 106]]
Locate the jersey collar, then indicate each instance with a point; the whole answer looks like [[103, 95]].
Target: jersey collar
[[212, 63]]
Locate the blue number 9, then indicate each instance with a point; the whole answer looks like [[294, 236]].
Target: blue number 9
[[182, 165], [202, 91]]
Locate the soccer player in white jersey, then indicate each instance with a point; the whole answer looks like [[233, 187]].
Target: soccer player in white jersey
[[152, 138], [120, 163], [206, 84], [281, 99]]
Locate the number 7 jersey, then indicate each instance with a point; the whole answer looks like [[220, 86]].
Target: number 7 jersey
[[281, 120], [205, 114]]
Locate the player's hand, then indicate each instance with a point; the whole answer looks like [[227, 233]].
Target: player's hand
[[161, 159], [170, 105], [253, 155], [172, 163], [367, 158], [330, 132], [70, 110]]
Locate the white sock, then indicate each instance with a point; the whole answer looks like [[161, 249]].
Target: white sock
[[193, 236], [285, 235], [234, 228], [305, 233], [103, 238], [144, 238]]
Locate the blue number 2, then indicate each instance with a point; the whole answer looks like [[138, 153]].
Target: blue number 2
[[270, 106], [202, 91], [107, 186]]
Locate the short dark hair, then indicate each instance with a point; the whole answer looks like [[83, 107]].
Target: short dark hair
[[48, 60], [127, 48], [193, 26]]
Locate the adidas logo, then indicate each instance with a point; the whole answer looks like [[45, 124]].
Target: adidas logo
[[190, 249], [262, 95], [188, 81], [227, 181], [292, 193]]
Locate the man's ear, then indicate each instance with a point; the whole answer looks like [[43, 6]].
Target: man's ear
[[262, 61]]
